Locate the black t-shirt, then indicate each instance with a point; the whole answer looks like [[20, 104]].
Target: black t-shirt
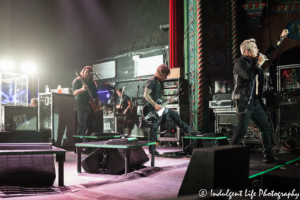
[[84, 97], [156, 87], [124, 103]]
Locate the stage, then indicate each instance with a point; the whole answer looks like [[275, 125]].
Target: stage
[[160, 182]]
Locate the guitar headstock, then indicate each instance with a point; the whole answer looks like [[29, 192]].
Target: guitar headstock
[[179, 92], [77, 72]]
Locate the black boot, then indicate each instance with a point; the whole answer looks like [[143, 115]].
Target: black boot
[[269, 157], [273, 160]]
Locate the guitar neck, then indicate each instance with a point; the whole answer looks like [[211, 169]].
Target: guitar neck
[[89, 92], [91, 97], [167, 102]]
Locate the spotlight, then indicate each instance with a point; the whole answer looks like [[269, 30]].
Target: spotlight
[[28, 67], [7, 65]]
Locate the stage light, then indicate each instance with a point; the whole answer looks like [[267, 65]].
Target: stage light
[[28, 67], [103, 91], [7, 65]]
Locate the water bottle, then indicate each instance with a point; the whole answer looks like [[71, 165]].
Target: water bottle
[[47, 89], [59, 90]]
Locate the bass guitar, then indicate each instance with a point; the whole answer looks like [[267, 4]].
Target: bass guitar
[[95, 107], [152, 116]]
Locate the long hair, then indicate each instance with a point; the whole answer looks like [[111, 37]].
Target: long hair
[[162, 70], [82, 72]]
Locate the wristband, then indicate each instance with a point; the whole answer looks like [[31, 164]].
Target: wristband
[[281, 39], [258, 65]]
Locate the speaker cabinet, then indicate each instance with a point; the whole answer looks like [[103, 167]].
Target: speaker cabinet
[[282, 180], [19, 118], [214, 142], [119, 126], [112, 161], [57, 114], [217, 167], [27, 170]]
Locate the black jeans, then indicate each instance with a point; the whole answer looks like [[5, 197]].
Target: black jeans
[[259, 117], [152, 137], [86, 120]]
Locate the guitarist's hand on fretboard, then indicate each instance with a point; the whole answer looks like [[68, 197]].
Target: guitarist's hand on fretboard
[[85, 87], [171, 100]]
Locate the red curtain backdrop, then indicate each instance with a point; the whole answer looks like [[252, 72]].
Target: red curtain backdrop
[[176, 33]]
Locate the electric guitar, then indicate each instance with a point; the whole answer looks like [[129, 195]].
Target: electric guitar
[[92, 101], [151, 116]]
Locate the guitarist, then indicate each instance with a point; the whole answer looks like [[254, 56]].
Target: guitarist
[[85, 115], [124, 104], [153, 92]]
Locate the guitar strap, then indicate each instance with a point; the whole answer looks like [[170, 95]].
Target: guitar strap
[[85, 97]]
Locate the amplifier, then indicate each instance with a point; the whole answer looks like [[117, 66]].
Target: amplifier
[[170, 84], [170, 91], [108, 124], [19, 118], [224, 96], [220, 104], [289, 112]]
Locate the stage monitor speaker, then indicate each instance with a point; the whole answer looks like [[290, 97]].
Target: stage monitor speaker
[[217, 167], [27, 169], [112, 161], [282, 180], [214, 142], [57, 113], [19, 118]]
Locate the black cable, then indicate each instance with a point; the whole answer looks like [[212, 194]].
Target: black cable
[[167, 129]]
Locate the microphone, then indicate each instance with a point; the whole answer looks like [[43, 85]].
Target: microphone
[[265, 57], [94, 73]]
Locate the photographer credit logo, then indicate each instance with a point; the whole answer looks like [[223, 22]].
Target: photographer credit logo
[[249, 194]]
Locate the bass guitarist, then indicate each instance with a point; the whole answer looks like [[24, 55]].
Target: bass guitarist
[[85, 114], [153, 92], [124, 104]]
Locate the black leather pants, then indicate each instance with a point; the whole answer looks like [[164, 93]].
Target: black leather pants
[[259, 117]]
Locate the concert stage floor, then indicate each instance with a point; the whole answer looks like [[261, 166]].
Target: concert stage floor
[[162, 182]]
